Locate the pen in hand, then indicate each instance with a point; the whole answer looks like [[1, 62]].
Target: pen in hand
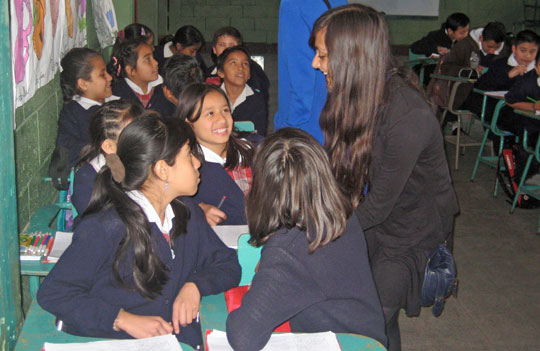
[[222, 201]]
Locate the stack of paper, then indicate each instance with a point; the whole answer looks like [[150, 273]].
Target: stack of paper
[[327, 341], [61, 243], [162, 343]]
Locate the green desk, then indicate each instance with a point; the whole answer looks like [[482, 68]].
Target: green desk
[[423, 61], [39, 328], [214, 316]]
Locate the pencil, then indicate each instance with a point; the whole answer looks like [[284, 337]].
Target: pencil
[[221, 202], [531, 99]]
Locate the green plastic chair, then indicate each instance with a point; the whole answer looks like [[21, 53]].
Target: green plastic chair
[[244, 126], [249, 257], [64, 203]]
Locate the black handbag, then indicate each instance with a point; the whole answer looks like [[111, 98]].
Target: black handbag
[[439, 279]]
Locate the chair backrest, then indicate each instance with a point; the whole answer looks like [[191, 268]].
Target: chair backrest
[[413, 56], [248, 256], [244, 126]]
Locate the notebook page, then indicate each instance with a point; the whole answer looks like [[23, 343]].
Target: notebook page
[[163, 343], [61, 243]]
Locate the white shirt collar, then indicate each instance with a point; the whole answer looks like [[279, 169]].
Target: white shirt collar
[[211, 156], [513, 62], [167, 52], [138, 89], [150, 212], [98, 162], [86, 103], [242, 97], [475, 35], [214, 71]]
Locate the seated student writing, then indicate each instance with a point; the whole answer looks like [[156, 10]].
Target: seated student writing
[[85, 86], [504, 73], [105, 126], [226, 172], [439, 42], [187, 40], [141, 257], [180, 71], [136, 76], [247, 104], [314, 269], [224, 38]]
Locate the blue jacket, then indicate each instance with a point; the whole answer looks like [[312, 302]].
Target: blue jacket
[[216, 182], [331, 289], [301, 89], [73, 124], [83, 184], [82, 291], [158, 101]]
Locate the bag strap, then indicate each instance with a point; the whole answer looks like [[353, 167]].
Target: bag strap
[[327, 4]]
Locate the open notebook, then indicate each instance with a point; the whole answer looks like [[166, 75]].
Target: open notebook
[[216, 340], [162, 343]]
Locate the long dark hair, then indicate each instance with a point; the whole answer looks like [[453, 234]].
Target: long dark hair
[[141, 145], [106, 123], [75, 64], [189, 109], [360, 64], [124, 53], [293, 186]]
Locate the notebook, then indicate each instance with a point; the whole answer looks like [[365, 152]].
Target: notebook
[[216, 340], [163, 343]]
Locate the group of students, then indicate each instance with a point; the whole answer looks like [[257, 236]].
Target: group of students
[[502, 62], [158, 162]]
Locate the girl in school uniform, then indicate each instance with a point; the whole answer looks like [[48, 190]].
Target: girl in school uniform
[[105, 126], [85, 86], [227, 37], [141, 257], [314, 268], [247, 104], [226, 172], [187, 40], [136, 76]]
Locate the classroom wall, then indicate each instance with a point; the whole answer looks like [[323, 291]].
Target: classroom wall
[[258, 19]]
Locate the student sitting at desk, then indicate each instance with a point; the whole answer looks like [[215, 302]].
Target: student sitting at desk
[[439, 42], [141, 257], [314, 268], [226, 172], [105, 126]]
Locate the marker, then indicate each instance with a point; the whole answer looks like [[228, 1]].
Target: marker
[[33, 244], [43, 246], [39, 242], [222, 201], [49, 247]]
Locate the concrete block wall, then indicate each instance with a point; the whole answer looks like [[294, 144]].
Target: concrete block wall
[[257, 20]]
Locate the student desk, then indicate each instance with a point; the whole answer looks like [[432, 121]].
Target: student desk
[[423, 62], [214, 316], [39, 328]]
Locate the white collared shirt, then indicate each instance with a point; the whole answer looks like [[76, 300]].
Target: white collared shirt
[[242, 97], [149, 87], [167, 52], [151, 213], [476, 34], [98, 162], [211, 156], [86, 103], [513, 62]]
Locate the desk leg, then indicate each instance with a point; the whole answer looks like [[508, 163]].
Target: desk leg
[[33, 282]]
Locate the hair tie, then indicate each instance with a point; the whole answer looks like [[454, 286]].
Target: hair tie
[[116, 166], [143, 32], [121, 35], [115, 63]]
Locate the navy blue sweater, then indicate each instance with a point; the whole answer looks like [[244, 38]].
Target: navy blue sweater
[[158, 102], [73, 125], [82, 291], [216, 182], [331, 289], [83, 184], [255, 109]]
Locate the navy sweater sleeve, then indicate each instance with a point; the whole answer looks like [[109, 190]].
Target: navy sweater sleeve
[[496, 78], [83, 185], [428, 44], [73, 125], [527, 87]]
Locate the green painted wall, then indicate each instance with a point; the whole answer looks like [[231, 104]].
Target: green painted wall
[[258, 19]]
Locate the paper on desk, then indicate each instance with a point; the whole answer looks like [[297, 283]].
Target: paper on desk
[[162, 343], [500, 93], [326, 341], [229, 234], [60, 244]]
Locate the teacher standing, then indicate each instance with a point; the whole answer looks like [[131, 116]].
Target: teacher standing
[[386, 150]]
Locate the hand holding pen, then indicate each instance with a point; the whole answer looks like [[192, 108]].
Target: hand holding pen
[[214, 215]]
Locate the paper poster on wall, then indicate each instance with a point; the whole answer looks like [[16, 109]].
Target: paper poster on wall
[[42, 31], [403, 7]]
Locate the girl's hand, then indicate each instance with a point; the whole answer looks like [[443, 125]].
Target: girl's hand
[[142, 326], [214, 215], [518, 70], [185, 306]]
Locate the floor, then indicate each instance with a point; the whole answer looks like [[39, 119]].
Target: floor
[[498, 258]]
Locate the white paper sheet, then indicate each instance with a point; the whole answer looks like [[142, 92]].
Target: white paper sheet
[[162, 343], [229, 234], [61, 243]]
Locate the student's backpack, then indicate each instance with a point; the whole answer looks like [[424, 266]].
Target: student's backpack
[[509, 177]]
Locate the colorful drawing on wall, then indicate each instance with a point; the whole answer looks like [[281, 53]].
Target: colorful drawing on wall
[[42, 31]]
